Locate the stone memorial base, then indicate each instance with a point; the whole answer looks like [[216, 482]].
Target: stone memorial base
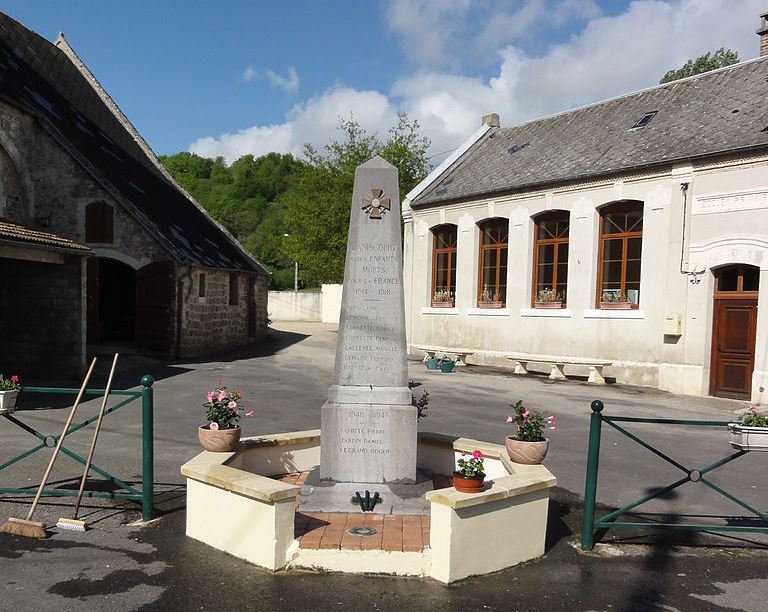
[[324, 496], [369, 435]]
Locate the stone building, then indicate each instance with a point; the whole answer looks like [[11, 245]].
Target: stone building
[[644, 216], [77, 179]]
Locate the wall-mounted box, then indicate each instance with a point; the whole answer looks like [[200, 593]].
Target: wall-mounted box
[[673, 324]]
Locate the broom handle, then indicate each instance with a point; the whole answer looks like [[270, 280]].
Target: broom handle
[[61, 440], [95, 436]]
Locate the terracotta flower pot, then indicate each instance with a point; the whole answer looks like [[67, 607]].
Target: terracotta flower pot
[[527, 453], [219, 440], [468, 485]]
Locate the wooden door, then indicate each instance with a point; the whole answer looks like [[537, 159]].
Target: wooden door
[[155, 301], [733, 333]]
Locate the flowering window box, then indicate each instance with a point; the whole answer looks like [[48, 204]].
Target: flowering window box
[[495, 304], [748, 438], [548, 305], [616, 305], [448, 304]]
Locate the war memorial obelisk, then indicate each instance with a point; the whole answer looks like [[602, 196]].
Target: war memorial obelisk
[[368, 423]]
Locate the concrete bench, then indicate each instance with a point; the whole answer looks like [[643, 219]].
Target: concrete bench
[[461, 354], [559, 362]]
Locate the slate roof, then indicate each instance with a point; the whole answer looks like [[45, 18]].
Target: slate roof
[[14, 232], [40, 79], [706, 115]]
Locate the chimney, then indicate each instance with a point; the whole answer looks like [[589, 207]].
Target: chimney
[[762, 32], [492, 119]]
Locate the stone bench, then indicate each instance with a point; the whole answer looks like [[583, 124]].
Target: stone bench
[[461, 354], [559, 362]]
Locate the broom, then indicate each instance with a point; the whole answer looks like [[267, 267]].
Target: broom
[[73, 524], [33, 529]]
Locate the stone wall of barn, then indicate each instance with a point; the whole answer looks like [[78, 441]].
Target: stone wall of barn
[[42, 320], [214, 310]]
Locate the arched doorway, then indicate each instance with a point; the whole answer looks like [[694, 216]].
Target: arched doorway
[[111, 301], [734, 330]]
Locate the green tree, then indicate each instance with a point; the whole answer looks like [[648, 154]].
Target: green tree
[[317, 203], [705, 63]]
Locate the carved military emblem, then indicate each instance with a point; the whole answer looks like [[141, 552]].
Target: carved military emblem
[[376, 204]]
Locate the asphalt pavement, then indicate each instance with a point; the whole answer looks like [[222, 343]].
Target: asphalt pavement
[[127, 566]]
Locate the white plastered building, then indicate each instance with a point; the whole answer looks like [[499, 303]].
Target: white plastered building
[[647, 215]]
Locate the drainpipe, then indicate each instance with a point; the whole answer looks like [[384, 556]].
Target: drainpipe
[[692, 274]]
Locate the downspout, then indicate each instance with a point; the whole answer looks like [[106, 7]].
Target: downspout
[[694, 275]]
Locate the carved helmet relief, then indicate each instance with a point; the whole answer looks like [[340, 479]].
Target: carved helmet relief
[[376, 204]]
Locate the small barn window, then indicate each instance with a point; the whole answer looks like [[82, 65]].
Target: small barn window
[[98, 223], [201, 285], [234, 289]]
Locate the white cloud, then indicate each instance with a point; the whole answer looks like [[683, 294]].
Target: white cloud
[[289, 84], [610, 56], [313, 121], [249, 74], [428, 28]]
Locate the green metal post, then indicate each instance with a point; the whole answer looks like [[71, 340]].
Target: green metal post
[[590, 487], [147, 435]]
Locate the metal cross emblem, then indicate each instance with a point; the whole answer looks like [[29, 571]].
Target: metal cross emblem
[[376, 204]]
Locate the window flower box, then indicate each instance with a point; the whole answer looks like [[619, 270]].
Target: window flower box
[[616, 305], [548, 305], [445, 304], [494, 304]]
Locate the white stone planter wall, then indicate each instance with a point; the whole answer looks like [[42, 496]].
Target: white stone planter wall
[[470, 533]]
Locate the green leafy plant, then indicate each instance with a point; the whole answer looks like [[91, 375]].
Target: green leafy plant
[[753, 418], [613, 297], [223, 409], [530, 425], [10, 384], [471, 467], [421, 404], [548, 295]]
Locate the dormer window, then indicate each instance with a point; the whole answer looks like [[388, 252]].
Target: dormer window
[[98, 223]]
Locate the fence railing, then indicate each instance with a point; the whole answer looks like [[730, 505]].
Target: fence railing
[[129, 492], [696, 475]]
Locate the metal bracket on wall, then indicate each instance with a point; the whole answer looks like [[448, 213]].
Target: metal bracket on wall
[[367, 502]]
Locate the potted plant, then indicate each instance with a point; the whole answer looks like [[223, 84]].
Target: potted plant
[[9, 391], [443, 298], [470, 475], [447, 364], [528, 445], [489, 298], [614, 300], [750, 432], [223, 411], [548, 298]]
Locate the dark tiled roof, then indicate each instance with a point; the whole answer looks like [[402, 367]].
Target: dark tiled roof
[[706, 115], [25, 235], [40, 79]]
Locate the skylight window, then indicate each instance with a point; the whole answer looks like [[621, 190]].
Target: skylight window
[[644, 120]]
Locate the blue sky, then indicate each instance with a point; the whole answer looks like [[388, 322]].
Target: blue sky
[[242, 76]]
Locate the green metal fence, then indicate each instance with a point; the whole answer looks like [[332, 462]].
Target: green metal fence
[[125, 490], [698, 475]]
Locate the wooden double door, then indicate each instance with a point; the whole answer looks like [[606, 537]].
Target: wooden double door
[[734, 330]]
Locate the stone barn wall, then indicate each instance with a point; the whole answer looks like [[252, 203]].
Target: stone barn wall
[[209, 321], [42, 318]]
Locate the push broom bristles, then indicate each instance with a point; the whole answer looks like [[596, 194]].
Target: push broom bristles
[[71, 524], [28, 529]]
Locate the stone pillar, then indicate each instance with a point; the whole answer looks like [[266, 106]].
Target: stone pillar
[[368, 423]]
